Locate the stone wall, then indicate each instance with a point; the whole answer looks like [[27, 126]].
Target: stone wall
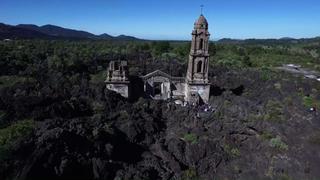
[[122, 89], [201, 90], [156, 83]]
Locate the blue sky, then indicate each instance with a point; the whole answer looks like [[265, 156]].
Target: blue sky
[[171, 19]]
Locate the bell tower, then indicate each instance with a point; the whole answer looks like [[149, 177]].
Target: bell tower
[[199, 53], [197, 82]]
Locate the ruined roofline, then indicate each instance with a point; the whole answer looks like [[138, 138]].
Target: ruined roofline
[[117, 82], [161, 73], [199, 83], [181, 79], [156, 72]]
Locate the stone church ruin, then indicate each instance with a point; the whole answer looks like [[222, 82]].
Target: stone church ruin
[[158, 85], [117, 78]]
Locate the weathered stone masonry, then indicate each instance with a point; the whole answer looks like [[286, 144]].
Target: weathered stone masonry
[[194, 88]]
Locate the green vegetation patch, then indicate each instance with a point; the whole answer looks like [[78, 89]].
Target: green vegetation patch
[[266, 73], [97, 107], [98, 78], [14, 133], [254, 117], [123, 115], [266, 135], [191, 138], [285, 176], [309, 101], [288, 101], [2, 114], [190, 174], [231, 151], [274, 111], [8, 81], [278, 144], [315, 138], [277, 86]]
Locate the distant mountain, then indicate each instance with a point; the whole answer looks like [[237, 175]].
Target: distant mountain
[[57, 31], [31, 31], [229, 41], [124, 37], [287, 38], [283, 40], [13, 32], [105, 36], [121, 37]]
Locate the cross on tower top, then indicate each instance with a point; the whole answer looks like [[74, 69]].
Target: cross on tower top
[[201, 6]]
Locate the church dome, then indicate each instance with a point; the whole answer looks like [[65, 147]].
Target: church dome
[[201, 22]]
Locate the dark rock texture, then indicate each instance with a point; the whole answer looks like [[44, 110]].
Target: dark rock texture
[[258, 130]]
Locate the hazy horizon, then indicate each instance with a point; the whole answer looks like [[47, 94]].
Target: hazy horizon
[[171, 20]]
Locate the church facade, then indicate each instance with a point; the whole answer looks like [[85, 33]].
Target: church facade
[[158, 85]]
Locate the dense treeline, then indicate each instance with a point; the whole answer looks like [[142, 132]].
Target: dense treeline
[[17, 56]]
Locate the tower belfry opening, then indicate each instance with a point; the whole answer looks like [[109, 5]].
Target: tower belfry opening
[[199, 67], [201, 44]]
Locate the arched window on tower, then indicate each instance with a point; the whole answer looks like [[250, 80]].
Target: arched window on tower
[[201, 44], [116, 65], [199, 67]]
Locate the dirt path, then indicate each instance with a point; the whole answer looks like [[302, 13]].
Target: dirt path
[[296, 69]]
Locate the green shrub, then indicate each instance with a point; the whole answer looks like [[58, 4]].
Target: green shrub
[[97, 107], [8, 81], [266, 74], [309, 101], [227, 104], [277, 143], [254, 117], [14, 133], [266, 135], [98, 78], [2, 114], [235, 152], [274, 111], [231, 151], [285, 176], [190, 174], [123, 115], [191, 138], [230, 63], [277, 86], [289, 101]]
